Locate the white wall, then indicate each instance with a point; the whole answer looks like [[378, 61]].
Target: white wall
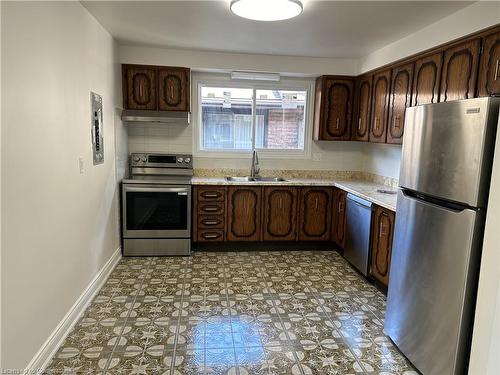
[[382, 159], [60, 227], [486, 336], [221, 61], [475, 17]]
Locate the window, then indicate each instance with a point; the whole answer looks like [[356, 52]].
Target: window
[[237, 118]]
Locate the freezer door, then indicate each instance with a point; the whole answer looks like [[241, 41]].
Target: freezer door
[[434, 270], [448, 149]]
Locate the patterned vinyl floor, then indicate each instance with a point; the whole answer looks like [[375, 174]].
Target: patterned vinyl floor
[[287, 312]]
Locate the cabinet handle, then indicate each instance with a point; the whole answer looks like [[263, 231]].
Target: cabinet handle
[[281, 203], [396, 122], [140, 90], [337, 123], [316, 203], [210, 209], [359, 123], [496, 69], [244, 204], [210, 222], [376, 122], [339, 207], [171, 91], [210, 195], [382, 230], [210, 236]]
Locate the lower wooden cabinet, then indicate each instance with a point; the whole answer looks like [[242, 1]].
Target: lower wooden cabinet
[[315, 214], [244, 213], [339, 217], [381, 249], [280, 214]]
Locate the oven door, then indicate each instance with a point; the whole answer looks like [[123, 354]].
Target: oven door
[[156, 211]]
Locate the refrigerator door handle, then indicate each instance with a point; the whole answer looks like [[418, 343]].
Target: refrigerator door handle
[[432, 201]]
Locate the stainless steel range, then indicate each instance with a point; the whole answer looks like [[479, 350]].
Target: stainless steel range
[[156, 205]]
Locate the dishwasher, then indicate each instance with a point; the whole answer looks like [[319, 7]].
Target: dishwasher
[[358, 229]]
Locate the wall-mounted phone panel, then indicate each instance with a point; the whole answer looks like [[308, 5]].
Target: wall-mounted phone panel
[[97, 136]]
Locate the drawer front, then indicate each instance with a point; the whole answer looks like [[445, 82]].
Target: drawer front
[[208, 222], [208, 208], [210, 235], [211, 194]]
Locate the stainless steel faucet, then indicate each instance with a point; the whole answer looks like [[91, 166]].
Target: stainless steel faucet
[[255, 169]]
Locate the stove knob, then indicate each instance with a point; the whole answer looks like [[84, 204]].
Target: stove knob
[[180, 160], [144, 159], [136, 158], [187, 160]]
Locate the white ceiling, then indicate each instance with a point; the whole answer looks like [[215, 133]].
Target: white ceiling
[[340, 29]]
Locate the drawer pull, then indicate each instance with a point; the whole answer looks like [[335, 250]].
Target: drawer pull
[[210, 236], [210, 222], [210, 209], [210, 195]]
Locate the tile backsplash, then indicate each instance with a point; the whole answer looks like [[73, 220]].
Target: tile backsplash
[[160, 138]]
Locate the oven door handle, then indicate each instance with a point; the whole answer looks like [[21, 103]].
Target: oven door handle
[[161, 189]]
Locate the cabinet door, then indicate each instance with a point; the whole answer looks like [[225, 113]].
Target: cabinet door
[[361, 121], [459, 73], [339, 217], [173, 89], [315, 214], [400, 99], [383, 230], [244, 213], [380, 106], [333, 117], [139, 91], [489, 71], [426, 79], [280, 214]]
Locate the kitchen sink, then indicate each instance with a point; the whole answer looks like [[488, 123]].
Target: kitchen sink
[[254, 179]]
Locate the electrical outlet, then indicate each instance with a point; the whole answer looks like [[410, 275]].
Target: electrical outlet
[[81, 165], [317, 156]]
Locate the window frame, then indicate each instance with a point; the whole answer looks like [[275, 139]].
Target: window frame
[[200, 80]]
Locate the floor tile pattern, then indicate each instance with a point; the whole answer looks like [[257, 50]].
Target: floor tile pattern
[[237, 313]]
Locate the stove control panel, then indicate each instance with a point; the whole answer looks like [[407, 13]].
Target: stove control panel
[[184, 161]]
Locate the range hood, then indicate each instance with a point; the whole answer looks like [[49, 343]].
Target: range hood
[[164, 117]]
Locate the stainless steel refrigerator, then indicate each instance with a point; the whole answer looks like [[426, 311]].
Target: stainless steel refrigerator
[[444, 182]]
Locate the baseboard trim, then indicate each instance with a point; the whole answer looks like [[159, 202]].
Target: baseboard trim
[[55, 340]]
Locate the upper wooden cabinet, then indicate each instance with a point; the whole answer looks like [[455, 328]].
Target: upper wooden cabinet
[[139, 87], [380, 106], [426, 79], [243, 213], [315, 214], [361, 122], [399, 100], [280, 214], [173, 89], [489, 71], [459, 73], [382, 235], [339, 217], [147, 87], [333, 108]]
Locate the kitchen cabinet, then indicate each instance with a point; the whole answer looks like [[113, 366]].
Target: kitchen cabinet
[[152, 88], [173, 89], [139, 87], [459, 73], [280, 214], [489, 69], [333, 108], [361, 123], [339, 217], [244, 213], [380, 106], [427, 78], [399, 100], [315, 214], [209, 219], [382, 236]]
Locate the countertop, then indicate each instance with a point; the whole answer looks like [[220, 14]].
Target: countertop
[[363, 189]]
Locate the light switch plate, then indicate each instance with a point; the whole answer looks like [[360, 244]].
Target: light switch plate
[[317, 156]]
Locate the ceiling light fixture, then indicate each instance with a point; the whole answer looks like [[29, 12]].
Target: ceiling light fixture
[[266, 10]]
